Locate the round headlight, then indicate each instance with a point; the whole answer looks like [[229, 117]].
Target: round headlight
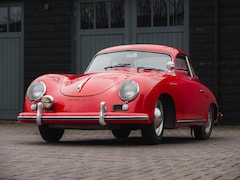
[[36, 90], [129, 90]]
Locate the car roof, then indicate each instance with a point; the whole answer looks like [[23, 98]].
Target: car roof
[[143, 47]]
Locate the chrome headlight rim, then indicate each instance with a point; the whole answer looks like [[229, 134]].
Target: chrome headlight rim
[[129, 90], [41, 87]]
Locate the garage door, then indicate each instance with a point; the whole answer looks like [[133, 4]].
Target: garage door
[[11, 59], [104, 23]]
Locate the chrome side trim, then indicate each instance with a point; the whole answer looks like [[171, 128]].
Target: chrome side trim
[[191, 121], [189, 67], [83, 118], [102, 113], [39, 114]]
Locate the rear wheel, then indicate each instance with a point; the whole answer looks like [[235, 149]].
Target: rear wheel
[[121, 132], [204, 132], [153, 133], [50, 134]]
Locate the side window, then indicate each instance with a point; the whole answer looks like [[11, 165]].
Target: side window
[[182, 66]]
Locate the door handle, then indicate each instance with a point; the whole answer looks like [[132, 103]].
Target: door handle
[[202, 91]]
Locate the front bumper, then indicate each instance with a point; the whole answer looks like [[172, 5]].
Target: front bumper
[[64, 118]]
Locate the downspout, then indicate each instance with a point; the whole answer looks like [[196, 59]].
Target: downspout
[[216, 49]]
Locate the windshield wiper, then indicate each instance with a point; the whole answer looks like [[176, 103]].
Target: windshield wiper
[[149, 68], [116, 66]]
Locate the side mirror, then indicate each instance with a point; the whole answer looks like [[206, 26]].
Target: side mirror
[[170, 67]]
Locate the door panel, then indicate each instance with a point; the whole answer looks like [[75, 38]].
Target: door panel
[[190, 91], [191, 98]]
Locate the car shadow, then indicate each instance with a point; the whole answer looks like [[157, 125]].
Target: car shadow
[[131, 141]]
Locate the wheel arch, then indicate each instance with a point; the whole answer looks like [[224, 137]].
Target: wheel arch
[[215, 111], [169, 110]]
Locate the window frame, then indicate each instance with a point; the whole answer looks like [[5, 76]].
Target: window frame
[[8, 24], [189, 67], [108, 5], [169, 20]]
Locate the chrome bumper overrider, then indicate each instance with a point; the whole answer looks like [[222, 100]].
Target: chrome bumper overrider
[[102, 113], [101, 117], [39, 113]]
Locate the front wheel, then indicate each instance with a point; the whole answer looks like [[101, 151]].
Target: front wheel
[[204, 132], [153, 133], [121, 133], [50, 134]]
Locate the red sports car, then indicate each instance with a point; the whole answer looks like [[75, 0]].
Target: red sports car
[[128, 87]]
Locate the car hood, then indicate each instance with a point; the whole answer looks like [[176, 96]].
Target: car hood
[[91, 84]]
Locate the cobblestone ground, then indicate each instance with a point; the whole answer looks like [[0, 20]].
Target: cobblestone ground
[[98, 155]]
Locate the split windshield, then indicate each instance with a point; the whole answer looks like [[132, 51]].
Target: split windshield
[[129, 59]]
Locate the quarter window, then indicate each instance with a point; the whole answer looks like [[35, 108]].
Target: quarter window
[[183, 64], [10, 19]]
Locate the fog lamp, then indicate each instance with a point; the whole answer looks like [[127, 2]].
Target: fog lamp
[[125, 107], [34, 107], [47, 102]]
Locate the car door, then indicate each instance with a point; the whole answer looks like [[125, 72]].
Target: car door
[[190, 90]]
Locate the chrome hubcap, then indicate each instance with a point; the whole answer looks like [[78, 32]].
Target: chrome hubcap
[[158, 119], [208, 127]]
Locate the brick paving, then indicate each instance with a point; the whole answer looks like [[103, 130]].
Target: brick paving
[[98, 155]]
